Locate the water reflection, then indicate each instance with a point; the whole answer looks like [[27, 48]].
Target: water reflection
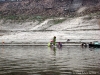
[[41, 60], [16, 73], [53, 49]]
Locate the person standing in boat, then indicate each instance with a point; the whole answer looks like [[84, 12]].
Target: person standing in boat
[[54, 40]]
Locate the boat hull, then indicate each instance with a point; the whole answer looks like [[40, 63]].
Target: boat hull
[[94, 45]]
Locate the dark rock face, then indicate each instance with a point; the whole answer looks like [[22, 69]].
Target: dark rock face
[[44, 7]]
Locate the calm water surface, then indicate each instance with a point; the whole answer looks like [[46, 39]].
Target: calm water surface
[[41, 60]]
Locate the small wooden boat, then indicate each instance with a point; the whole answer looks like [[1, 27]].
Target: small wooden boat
[[51, 45], [95, 44], [59, 45]]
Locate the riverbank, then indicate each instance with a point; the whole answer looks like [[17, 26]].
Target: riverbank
[[43, 44], [77, 29]]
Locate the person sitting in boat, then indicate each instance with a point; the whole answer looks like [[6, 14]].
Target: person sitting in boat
[[50, 44], [68, 40], [59, 45], [84, 44]]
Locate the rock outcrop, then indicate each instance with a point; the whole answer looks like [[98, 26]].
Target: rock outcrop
[[46, 7]]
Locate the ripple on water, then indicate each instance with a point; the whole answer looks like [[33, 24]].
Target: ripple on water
[[30, 60]]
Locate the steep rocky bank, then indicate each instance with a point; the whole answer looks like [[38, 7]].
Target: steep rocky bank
[[48, 7]]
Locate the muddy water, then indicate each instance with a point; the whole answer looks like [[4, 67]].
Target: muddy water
[[41, 60]]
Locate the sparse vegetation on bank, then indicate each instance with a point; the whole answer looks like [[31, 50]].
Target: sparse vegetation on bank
[[57, 21], [22, 18], [93, 15], [40, 19]]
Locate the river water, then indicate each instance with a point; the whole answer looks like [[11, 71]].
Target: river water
[[41, 60]]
